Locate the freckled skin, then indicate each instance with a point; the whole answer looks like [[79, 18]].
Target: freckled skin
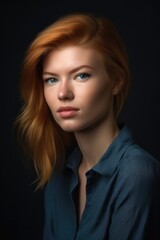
[[87, 88]]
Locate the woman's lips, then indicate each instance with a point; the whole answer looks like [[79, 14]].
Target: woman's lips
[[66, 112]]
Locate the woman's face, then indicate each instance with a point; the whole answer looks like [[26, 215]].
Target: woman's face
[[77, 88]]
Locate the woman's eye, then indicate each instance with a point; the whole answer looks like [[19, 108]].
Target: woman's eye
[[51, 80], [82, 76]]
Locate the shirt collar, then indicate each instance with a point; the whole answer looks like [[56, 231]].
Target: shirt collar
[[109, 161]]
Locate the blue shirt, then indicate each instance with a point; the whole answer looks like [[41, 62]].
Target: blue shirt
[[122, 196]]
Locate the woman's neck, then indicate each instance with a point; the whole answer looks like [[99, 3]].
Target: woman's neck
[[94, 142]]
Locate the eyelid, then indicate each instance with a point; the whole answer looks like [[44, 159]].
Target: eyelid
[[82, 73], [46, 80]]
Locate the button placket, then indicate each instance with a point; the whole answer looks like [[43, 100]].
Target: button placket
[[90, 175]]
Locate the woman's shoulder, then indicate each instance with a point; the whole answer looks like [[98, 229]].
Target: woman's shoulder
[[130, 156], [138, 156], [138, 165]]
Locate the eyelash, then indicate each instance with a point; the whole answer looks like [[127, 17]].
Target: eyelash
[[85, 75], [49, 79]]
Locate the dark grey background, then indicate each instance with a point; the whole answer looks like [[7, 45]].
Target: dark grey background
[[139, 25]]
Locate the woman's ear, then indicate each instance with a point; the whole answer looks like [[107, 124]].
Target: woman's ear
[[117, 86]]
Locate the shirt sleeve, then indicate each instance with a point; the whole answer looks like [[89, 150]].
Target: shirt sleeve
[[136, 214]]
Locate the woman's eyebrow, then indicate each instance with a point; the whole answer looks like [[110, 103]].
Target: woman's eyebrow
[[80, 67], [70, 72]]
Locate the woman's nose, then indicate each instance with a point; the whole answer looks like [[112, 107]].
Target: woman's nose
[[65, 91]]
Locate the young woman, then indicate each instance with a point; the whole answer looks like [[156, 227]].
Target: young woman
[[99, 184]]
